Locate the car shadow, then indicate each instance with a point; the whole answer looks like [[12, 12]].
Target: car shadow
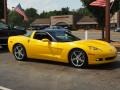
[[4, 50], [109, 66], [47, 62]]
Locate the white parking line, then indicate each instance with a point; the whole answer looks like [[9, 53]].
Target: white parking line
[[4, 88]]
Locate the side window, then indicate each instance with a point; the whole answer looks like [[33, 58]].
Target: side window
[[42, 35]]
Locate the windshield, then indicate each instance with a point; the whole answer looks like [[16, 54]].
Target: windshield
[[63, 36]]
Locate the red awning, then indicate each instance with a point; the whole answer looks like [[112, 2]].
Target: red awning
[[99, 3]]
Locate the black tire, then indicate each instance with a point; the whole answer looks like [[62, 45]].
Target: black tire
[[19, 52], [78, 58]]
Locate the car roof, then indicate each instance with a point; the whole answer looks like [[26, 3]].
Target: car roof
[[51, 30]]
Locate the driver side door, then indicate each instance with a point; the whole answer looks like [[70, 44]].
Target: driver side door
[[40, 49]]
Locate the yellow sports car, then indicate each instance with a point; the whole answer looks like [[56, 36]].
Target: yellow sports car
[[61, 46]]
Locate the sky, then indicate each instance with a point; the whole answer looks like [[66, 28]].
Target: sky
[[46, 5]]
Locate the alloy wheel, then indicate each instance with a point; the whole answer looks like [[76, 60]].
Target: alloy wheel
[[78, 58], [19, 52]]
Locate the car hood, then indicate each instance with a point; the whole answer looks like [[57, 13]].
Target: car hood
[[96, 43]]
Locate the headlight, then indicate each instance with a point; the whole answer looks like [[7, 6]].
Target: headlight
[[93, 48]]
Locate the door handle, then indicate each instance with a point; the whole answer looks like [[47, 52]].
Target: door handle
[[28, 41]]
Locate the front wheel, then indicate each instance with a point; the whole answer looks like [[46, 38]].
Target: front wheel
[[78, 58], [19, 52]]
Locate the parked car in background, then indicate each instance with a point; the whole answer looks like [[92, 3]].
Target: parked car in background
[[19, 27], [37, 27], [6, 31], [58, 28], [117, 30]]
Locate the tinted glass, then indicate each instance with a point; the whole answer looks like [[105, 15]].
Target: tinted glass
[[63, 36]]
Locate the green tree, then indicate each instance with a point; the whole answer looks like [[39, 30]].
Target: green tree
[[32, 14], [84, 12], [65, 11], [44, 15], [15, 19]]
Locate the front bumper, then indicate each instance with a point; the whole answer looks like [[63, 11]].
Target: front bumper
[[101, 58]]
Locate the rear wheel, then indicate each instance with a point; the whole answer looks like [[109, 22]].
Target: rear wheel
[[78, 58], [19, 52]]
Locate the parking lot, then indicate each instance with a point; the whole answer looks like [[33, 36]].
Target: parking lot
[[45, 75]]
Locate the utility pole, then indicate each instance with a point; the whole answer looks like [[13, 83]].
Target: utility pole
[[5, 11], [107, 20], [118, 17]]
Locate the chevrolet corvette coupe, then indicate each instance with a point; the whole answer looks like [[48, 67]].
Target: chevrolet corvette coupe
[[60, 46]]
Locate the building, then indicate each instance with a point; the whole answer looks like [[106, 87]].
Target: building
[[67, 20], [63, 20], [87, 22], [113, 21], [41, 22], [84, 22]]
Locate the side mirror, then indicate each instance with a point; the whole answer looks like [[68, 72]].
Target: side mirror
[[45, 40]]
